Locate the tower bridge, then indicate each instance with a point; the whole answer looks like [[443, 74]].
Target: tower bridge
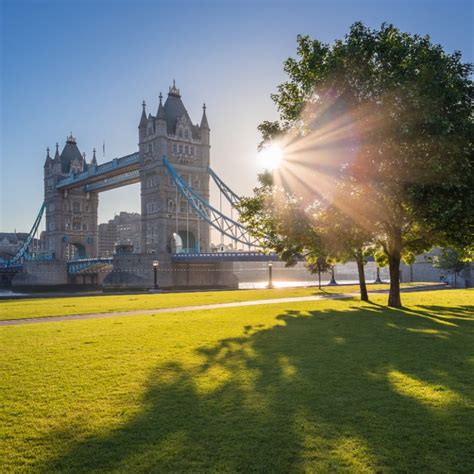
[[172, 165]]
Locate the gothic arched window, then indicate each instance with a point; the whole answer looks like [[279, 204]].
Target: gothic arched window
[[186, 133]]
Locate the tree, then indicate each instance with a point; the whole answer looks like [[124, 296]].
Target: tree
[[387, 117], [451, 260]]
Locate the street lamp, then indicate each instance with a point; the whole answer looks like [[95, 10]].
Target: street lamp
[[333, 277], [156, 264], [270, 279]]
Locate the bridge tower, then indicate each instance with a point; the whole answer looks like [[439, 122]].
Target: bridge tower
[[169, 224], [71, 215]]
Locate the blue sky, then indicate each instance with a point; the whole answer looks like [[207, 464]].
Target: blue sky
[[85, 66]]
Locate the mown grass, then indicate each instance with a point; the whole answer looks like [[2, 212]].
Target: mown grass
[[326, 386], [41, 307]]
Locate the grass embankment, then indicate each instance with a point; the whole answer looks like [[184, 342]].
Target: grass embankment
[[42, 307], [319, 387]]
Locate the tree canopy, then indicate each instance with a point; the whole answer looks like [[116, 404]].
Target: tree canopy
[[378, 127]]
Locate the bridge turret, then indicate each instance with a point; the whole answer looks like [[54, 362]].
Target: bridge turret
[[94, 159], [57, 161], [204, 127], [143, 122], [160, 121], [48, 162]]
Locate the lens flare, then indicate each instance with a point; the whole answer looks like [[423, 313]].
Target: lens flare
[[270, 157]]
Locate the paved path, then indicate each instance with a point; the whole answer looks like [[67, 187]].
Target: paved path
[[180, 309], [175, 309]]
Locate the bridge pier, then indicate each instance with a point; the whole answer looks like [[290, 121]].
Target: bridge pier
[[39, 275], [135, 271]]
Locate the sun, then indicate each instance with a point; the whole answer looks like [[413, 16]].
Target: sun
[[270, 157]]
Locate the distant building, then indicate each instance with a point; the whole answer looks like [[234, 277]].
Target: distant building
[[11, 242], [123, 229]]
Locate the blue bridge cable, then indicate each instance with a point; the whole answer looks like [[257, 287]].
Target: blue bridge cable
[[24, 248], [232, 197], [227, 226]]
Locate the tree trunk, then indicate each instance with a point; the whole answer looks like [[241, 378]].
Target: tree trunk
[[364, 296], [394, 299], [319, 277]]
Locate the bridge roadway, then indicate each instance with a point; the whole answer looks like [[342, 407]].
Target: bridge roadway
[[81, 265]]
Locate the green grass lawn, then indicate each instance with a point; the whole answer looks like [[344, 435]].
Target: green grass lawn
[[41, 307], [318, 386]]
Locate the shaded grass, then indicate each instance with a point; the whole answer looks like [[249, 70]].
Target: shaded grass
[[323, 386], [41, 307]]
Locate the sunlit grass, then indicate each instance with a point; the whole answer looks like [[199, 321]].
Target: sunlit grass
[[42, 307], [320, 386], [432, 395]]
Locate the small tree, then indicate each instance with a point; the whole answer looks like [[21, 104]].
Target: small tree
[[451, 260], [318, 265]]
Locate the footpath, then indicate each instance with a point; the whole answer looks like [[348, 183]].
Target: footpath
[[181, 309]]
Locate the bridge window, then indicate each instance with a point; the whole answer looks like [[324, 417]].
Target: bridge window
[[171, 206], [180, 132], [76, 223], [152, 180], [153, 206], [186, 150], [76, 206], [180, 149], [191, 150], [186, 133], [175, 148]]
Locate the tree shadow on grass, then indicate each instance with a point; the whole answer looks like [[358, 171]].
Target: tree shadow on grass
[[368, 389]]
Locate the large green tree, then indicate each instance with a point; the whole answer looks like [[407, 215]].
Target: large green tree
[[385, 117]]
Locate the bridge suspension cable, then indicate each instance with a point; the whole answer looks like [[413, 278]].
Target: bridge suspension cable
[[232, 197], [225, 225], [23, 251]]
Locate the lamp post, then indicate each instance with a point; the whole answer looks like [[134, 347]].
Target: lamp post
[[270, 277], [333, 277], [156, 264]]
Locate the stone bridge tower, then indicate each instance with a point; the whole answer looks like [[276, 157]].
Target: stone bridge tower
[[169, 224], [71, 216]]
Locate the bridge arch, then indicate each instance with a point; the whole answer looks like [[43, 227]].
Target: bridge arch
[[75, 250], [183, 241]]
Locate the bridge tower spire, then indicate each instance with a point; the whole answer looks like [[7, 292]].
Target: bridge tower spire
[[48, 162], [94, 159], [160, 122]]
